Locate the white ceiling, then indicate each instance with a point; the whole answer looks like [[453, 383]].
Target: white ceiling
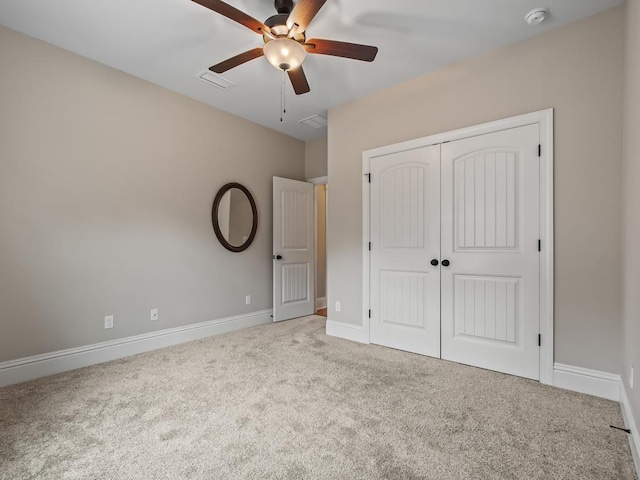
[[170, 42]]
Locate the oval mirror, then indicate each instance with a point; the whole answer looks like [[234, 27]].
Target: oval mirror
[[235, 217]]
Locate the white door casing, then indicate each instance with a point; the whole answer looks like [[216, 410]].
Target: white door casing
[[319, 181], [490, 232], [293, 249], [405, 239]]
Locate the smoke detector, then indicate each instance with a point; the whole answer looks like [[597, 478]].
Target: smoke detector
[[536, 16]]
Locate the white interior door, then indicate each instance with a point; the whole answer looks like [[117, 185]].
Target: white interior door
[[405, 238], [293, 249], [490, 231]]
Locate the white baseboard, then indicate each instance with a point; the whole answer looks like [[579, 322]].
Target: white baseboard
[[347, 331], [584, 380], [321, 303], [630, 423], [29, 368]]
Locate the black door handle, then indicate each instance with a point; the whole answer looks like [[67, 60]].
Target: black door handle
[[277, 257], [445, 263], [434, 262]]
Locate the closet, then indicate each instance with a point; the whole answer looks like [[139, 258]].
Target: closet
[[454, 260]]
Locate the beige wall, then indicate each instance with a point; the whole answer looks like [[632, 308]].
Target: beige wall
[[321, 241], [578, 71], [106, 187], [631, 228], [316, 158]]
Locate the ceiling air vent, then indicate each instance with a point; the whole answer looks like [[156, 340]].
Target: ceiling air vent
[[216, 80], [314, 121]]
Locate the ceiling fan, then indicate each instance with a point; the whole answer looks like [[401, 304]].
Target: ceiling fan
[[285, 43]]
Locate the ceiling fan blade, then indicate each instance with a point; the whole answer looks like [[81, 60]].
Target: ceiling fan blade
[[299, 81], [237, 60], [366, 53], [234, 14], [303, 13]]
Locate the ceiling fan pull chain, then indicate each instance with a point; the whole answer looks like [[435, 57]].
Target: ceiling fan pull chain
[[283, 108]]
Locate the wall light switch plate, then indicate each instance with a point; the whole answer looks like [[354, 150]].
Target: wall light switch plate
[[247, 300], [338, 306], [154, 314], [108, 321]]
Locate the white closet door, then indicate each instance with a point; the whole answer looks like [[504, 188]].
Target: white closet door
[[405, 238], [293, 249], [490, 232]]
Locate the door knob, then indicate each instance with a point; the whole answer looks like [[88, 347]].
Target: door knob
[[278, 257], [434, 262], [445, 263]]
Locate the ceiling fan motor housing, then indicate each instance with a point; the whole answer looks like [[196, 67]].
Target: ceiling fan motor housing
[[278, 26], [284, 6]]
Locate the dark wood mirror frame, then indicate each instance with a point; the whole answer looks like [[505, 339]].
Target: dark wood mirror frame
[[216, 225]]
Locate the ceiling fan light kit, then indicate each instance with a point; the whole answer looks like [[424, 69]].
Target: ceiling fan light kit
[[284, 53], [285, 42]]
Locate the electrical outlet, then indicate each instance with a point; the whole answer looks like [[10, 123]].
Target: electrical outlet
[[154, 314], [247, 300], [337, 306], [108, 321], [631, 377]]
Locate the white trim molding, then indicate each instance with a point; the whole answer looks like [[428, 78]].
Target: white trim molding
[[630, 423], [355, 333], [584, 380], [318, 180], [544, 120], [321, 303], [29, 368]]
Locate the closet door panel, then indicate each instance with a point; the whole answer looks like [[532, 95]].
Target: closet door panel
[[405, 237], [490, 231]]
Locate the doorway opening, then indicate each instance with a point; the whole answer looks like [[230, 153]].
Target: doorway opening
[[299, 220], [320, 221]]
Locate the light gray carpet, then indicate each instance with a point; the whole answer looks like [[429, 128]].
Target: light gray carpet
[[285, 401]]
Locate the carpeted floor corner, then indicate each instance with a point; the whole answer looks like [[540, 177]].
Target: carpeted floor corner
[[285, 401]]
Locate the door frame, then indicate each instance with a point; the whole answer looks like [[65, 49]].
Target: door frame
[[319, 181], [544, 119]]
